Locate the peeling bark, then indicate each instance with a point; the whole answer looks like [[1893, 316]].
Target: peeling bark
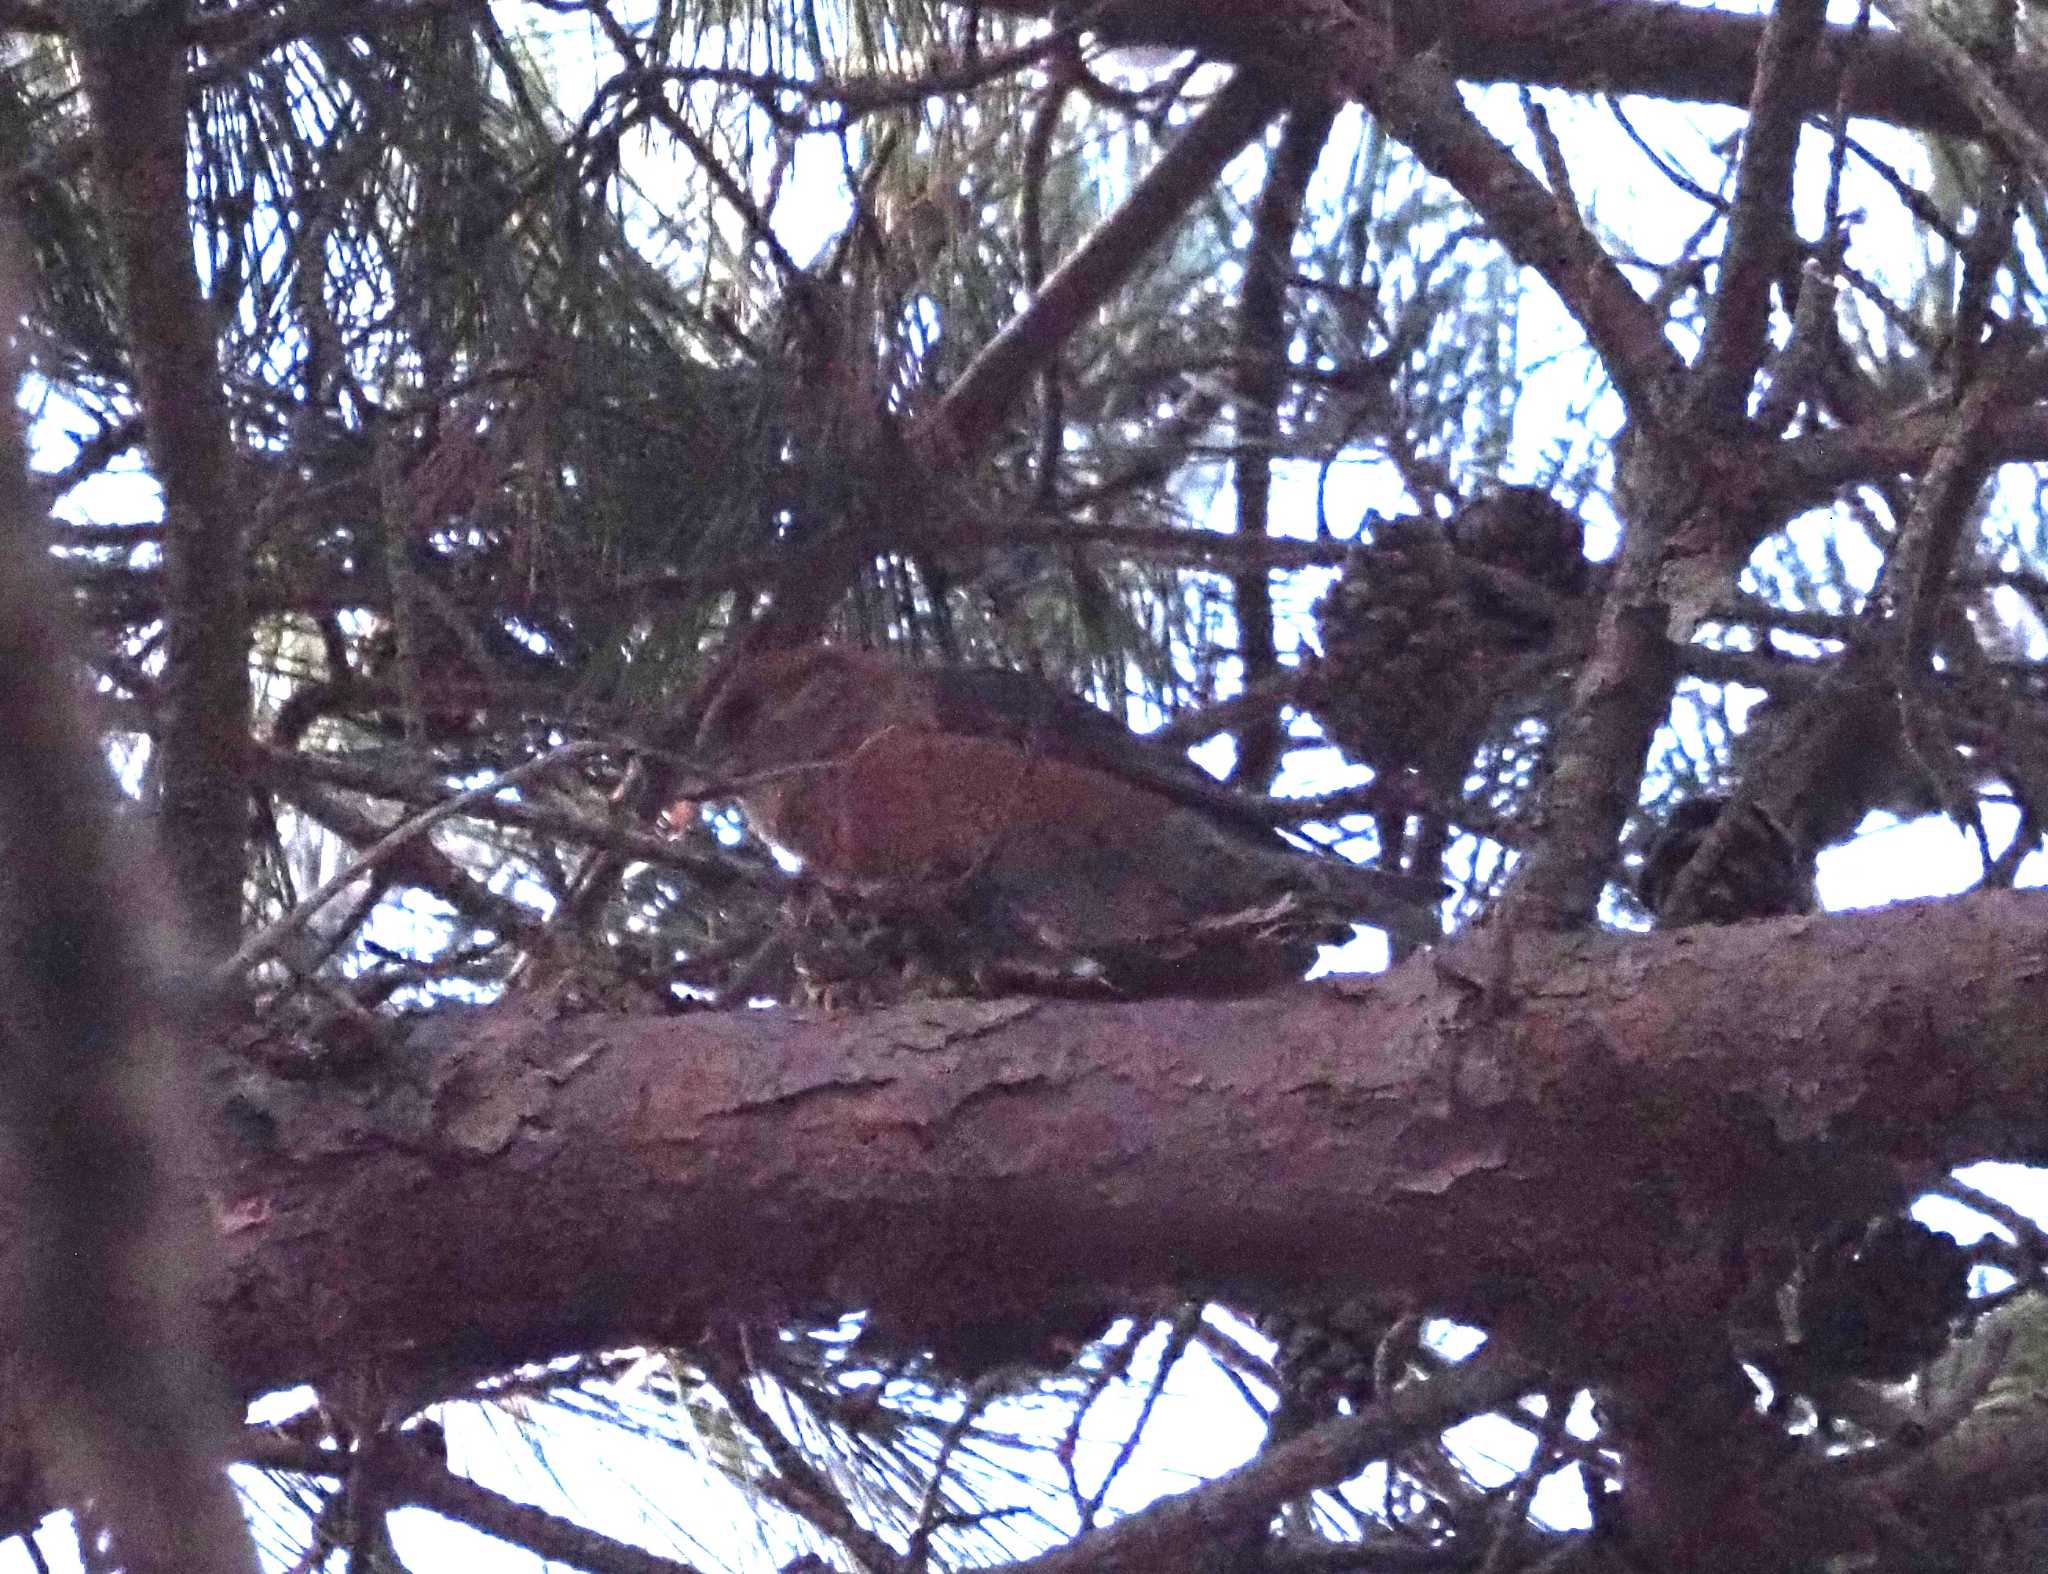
[[1548, 1162]]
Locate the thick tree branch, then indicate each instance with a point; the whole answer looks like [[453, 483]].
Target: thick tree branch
[[1543, 1162], [134, 72], [1808, 470], [1621, 693], [93, 1101], [1692, 508], [1536, 1153], [1621, 47], [252, 29], [1760, 223], [973, 407], [1418, 102]]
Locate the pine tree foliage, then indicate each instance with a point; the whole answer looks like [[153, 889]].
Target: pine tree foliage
[[1644, 501]]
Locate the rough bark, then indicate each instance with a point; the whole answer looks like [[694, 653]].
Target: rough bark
[[1595, 46], [134, 72], [512, 1185], [1606, 46]]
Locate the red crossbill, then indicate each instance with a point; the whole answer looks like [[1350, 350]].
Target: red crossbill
[[1078, 849]]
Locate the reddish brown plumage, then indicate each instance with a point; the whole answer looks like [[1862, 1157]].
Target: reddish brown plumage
[[1076, 849]]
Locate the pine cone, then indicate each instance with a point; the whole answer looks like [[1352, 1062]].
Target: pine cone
[[1421, 655], [1526, 530], [1762, 872], [1323, 1357], [1875, 1302], [1403, 640]]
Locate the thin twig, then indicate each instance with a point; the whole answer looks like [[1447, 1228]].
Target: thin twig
[[804, 1488], [1513, 1507], [1180, 1531], [1179, 1336], [418, 1481], [612, 835], [2031, 1237], [931, 1514], [262, 945]]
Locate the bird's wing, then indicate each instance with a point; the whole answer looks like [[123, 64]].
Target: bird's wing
[[992, 702], [1044, 720]]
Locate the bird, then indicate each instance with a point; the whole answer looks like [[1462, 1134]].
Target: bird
[[1083, 858]]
